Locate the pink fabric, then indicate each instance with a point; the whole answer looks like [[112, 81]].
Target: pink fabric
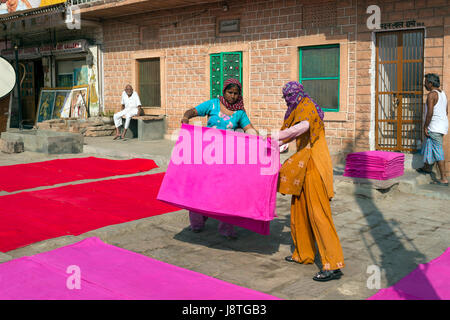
[[429, 281], [241, 193], [379, 165], [28, 217], [57, 171], [108, 272]]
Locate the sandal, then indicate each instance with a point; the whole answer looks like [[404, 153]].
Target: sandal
[[423, 171], [439, 183], [289, 259], [327, 275], [117, 137]]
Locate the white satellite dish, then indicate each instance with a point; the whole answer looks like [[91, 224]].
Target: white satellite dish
[[7, 77]]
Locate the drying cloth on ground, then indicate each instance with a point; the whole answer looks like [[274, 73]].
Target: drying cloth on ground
[[226, 175], [28, 217], [429, 281], [47, 173], [379, 165], [93, 270]]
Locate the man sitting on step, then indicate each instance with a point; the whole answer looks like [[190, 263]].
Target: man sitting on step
[[131, 106]]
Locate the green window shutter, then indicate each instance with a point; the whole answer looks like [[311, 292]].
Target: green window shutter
[[319, 74], [216, 75], [224, 66]]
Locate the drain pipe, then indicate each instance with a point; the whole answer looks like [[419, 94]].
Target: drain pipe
[[16, 52]]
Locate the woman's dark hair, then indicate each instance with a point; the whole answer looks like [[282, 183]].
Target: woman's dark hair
[[434, 79], [232, 85]]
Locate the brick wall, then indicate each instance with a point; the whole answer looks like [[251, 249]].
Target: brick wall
[[271, 33], [429, 12], [268, 28], [446, 84]]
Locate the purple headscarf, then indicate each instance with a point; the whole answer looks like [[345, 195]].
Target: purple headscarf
[[293, 93]]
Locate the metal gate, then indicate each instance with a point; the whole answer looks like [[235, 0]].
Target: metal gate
[[399, 90]]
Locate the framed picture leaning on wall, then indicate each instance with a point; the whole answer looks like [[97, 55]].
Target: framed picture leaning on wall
[[62, 104], [79, 102], [46, 104]]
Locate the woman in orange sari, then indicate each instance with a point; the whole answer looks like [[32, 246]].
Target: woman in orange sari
[[308, 177]]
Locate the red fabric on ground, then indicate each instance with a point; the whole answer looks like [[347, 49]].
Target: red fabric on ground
[[47, 173], [34, 216]]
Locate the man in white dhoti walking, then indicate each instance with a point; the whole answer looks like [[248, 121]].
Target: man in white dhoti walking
[[131, 106]]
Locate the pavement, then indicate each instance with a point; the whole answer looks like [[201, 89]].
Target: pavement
[[388, 226]]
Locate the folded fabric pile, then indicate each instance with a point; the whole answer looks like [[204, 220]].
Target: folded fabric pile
[[379, 165]]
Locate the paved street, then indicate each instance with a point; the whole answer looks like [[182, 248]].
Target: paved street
[[394, 231]]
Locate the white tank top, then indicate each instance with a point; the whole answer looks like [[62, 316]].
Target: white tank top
[[439, 120]]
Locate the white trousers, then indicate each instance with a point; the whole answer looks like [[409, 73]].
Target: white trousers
[[128, 113]]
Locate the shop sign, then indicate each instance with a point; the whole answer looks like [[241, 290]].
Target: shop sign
[[24, 53], [70, 47], [401, 24], [64, 47], [46, 50]]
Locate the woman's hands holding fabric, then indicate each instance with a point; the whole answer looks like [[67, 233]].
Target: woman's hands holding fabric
[[191, 113], [185, 120]]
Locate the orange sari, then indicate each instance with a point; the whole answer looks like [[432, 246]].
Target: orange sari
[[308, 176]]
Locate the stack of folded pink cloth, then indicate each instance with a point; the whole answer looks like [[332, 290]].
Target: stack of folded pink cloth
[[379, 165]]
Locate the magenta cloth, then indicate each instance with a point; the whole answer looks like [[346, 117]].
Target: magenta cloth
[[33, 216], [47, 173], [379, 165], [429, 281], [108, 272], [238, 188]]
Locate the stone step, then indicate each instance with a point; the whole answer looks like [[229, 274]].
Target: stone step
[[98, 133], [15, 146]]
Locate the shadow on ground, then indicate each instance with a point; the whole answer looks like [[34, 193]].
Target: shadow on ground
[[385, 242], [247, 241]]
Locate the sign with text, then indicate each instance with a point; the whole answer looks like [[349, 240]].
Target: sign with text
[[401, 24], [47, 49]]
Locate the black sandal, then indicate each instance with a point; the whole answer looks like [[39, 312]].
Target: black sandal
[[289, 259], [423, 171], [439, 183], [327, 275]]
